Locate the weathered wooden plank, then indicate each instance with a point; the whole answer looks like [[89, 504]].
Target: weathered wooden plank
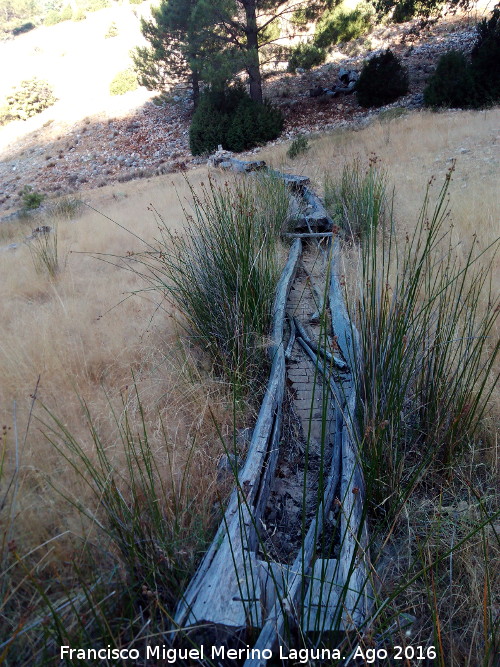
[[204, 598], [308, 235], [354, 557], [223, 586], [240, 166], [291, 339], [338, 391], [283, 288], [293, 181], [273, 581], [318, 294], [332, 358], [273, 630], [318, 216], [323, 601], [268, 471], [343, 328]]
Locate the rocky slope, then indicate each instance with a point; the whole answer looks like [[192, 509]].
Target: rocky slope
[[58, 157]]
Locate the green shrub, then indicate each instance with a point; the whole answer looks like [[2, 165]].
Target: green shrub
[[44, 251], [124, 82], [452, 84], [298, 146], [223, 274], [382, 80], [52, 18], [404, 10], [300, 17], [341, 25], [112, 31], [25, 27], [230, 118], [306, 56], [6, 115], [79, 15], [65, 208], [485, 58], [463, 84], [30, 98], [96, 5], [426, 348], [358, 200], [31, 198], [135, 2], [66, 13]]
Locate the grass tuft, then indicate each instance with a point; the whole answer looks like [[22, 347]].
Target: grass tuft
[[358, 199], [222, 275], [427, 345], [44, 250]]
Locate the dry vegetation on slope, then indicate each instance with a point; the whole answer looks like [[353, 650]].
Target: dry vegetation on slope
[[83, 338], [77, 334]]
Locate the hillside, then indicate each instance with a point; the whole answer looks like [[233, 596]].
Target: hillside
[[90, 138], [136, 346]]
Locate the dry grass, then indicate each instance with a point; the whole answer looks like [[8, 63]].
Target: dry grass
[[412, 148], [83, 337]]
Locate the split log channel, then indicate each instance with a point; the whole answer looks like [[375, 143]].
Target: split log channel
[[236, 593]]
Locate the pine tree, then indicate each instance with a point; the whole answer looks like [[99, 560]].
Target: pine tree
[[176, 47], [212, 40], [247, 26]]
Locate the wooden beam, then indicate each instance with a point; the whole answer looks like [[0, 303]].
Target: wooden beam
[[308, 235], [224, 590], [332, 358]]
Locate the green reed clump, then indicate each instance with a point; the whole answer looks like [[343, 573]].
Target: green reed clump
[[222, 272], [358, 199], [143, 525], [298, 146], [426, 320]]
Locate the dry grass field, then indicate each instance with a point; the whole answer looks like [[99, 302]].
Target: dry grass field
[[83, 335], [412, 148]]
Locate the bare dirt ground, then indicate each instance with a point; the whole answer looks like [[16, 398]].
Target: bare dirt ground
[[90, 139]]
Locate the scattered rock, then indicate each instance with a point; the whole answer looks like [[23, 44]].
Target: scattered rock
[[155, 139]]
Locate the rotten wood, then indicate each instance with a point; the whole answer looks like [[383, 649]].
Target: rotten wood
[[354, 556], [291, 339], [308, 235], [332, 358], [285, 608], [343, 328], [318, 216], [318, 297], [282, 290]]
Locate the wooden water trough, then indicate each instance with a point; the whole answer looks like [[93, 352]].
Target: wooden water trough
[[237, 594]]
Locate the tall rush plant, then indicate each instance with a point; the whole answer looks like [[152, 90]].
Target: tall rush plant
[[427, 347], [222, 274]]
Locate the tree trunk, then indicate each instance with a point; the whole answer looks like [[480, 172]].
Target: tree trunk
[[252, 66], [195, 84]]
